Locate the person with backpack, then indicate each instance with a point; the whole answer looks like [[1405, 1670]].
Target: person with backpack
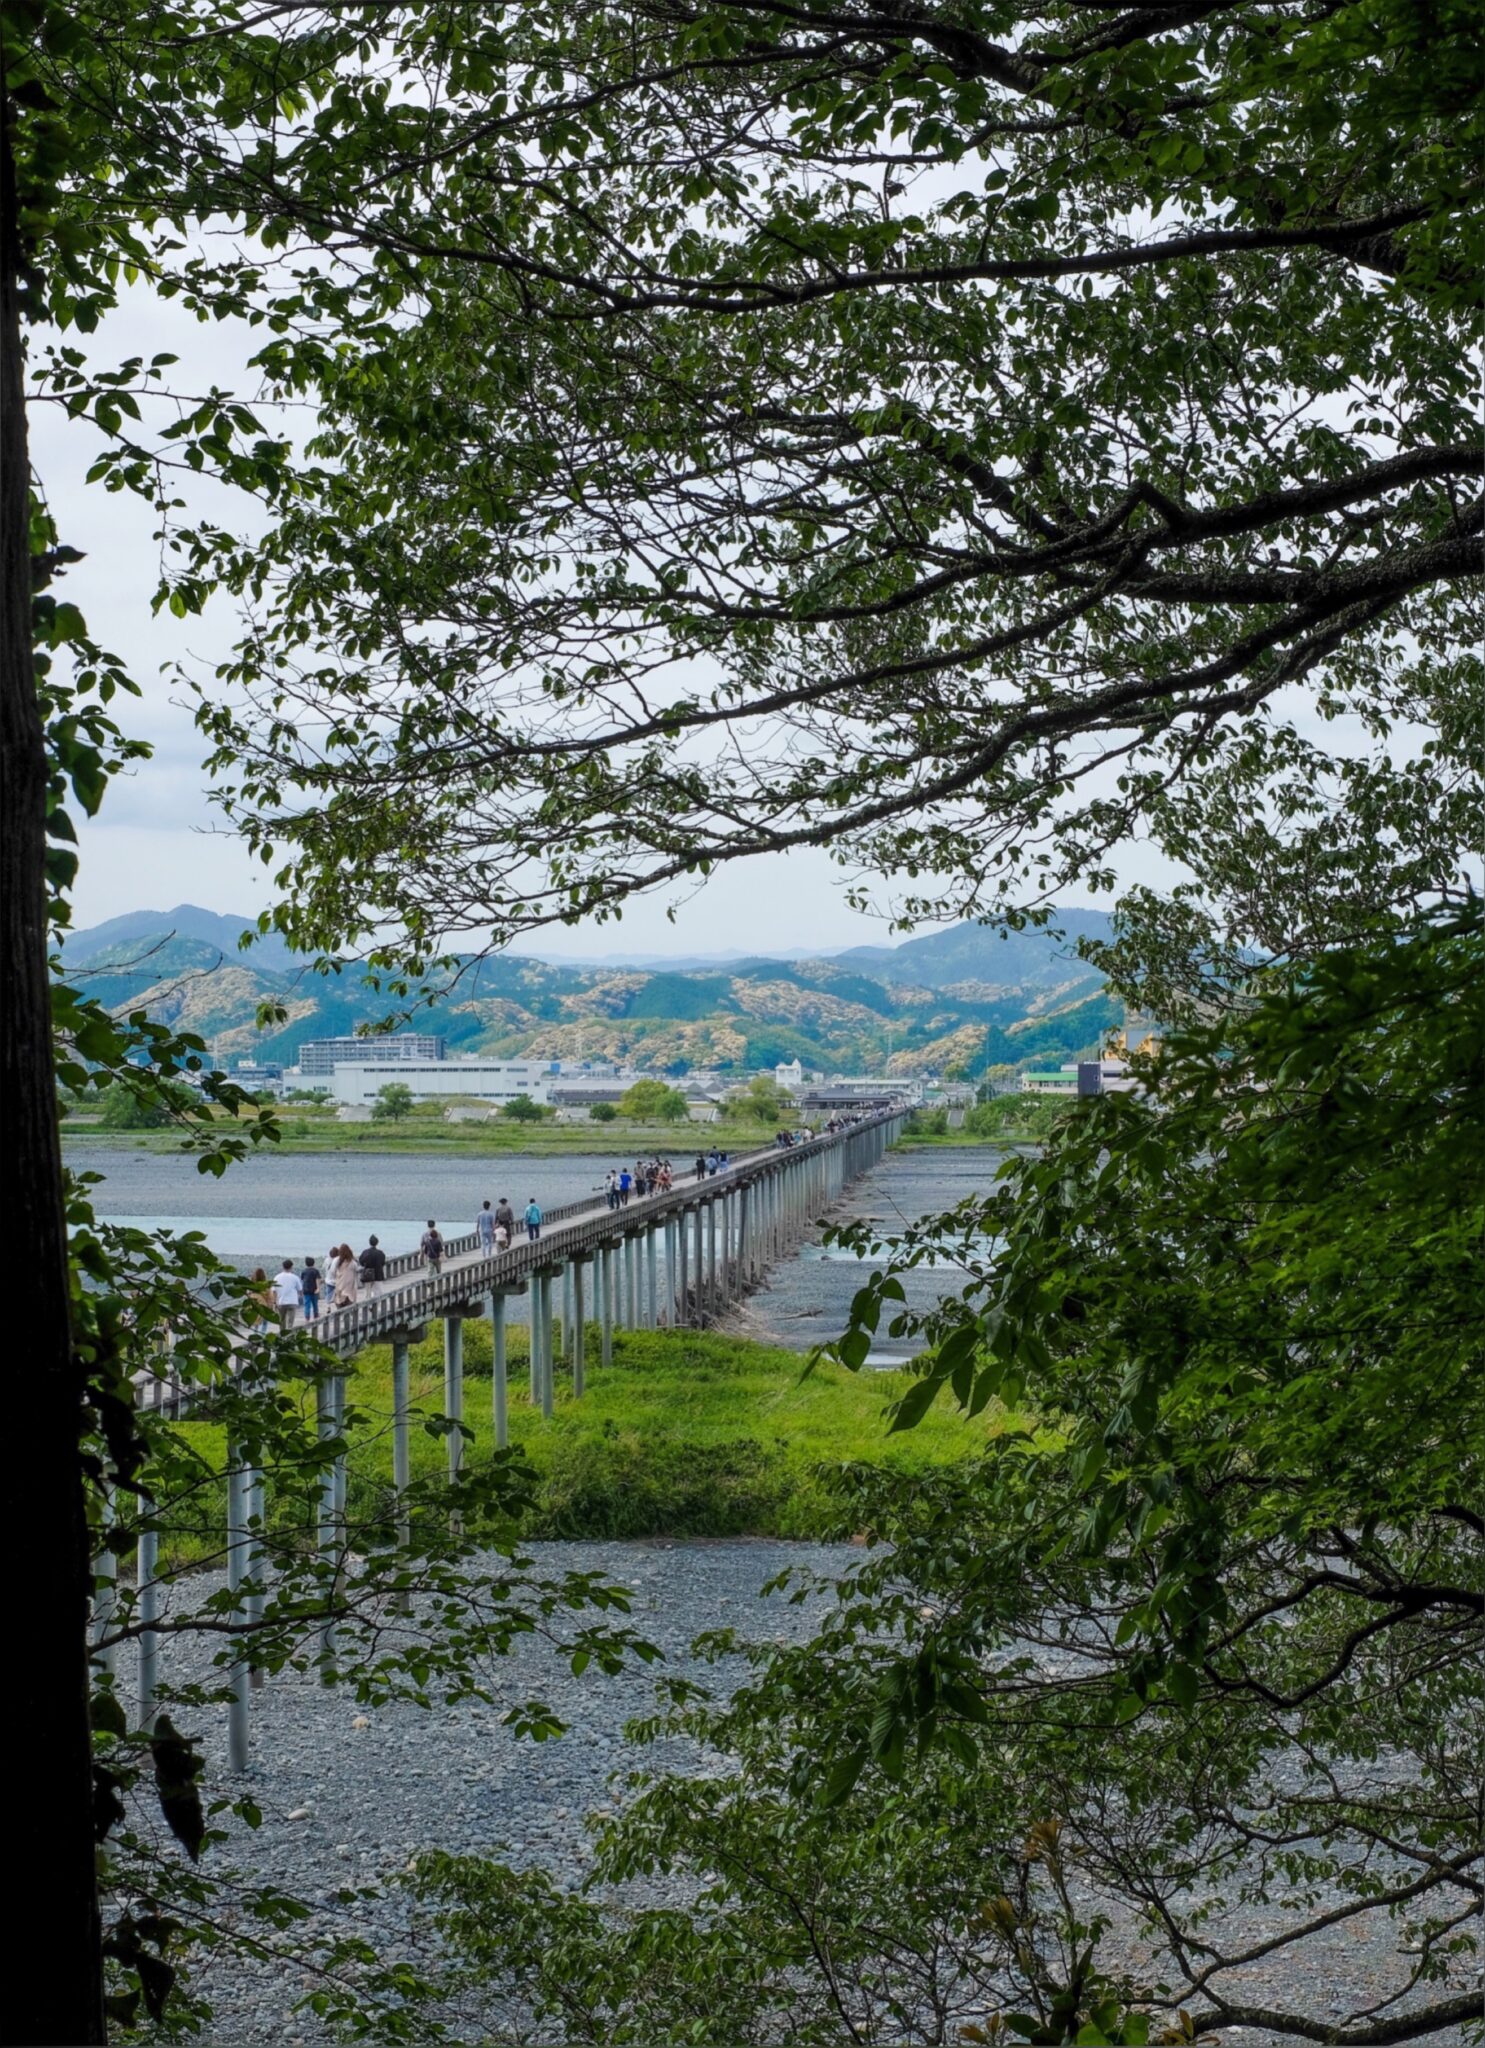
[[309, 1282], [626, 1182], [533, 1220], [373, 1268], [432, 1247]]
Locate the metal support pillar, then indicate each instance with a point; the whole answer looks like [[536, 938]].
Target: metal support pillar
[[453, 1390], [671, 1315], [683, 1278], [401, 1441], [533, 1320], [606, 1272], [237, 1572], [744, 1239], [500, 1390], [567, 1313], [579, 1328], [543, 1283], [699, 1289], [327, 1529], [146, 1566], [711, 1257], [652, 1278], [256, 1560]]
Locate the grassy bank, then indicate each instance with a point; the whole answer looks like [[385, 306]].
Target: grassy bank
[[686, 1434], [499, 1138]]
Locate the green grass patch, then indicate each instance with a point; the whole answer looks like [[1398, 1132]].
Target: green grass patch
[[686, 1434], [309, 1134]]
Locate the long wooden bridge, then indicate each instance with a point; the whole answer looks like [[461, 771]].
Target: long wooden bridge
[[661, 1261]]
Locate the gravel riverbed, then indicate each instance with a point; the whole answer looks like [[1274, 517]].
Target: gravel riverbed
[[348, 1795]]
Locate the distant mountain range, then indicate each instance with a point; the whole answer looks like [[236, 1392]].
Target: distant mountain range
[[963, 997]]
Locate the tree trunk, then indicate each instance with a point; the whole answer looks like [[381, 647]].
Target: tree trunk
[[53, 1983]]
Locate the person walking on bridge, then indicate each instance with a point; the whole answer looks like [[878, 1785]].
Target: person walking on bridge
[[345, 1274], [309, 1281], [505, 1218], [484, 1227], [288, 1293], [533, 1220], [432, 1247], [373, 1267]]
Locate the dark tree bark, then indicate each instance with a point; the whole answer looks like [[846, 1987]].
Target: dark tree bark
[[53, 1984]]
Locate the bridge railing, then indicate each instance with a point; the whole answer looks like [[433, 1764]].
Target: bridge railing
[[401, 1263], [569, 1230]]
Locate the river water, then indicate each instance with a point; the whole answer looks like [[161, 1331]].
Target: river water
[[284, 1205]]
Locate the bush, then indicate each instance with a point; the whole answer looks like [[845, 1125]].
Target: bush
[[653, 1102], [761, 1102], [927, 1123], [1017, 1116], [124, 1109], [625, 1483], [602, 1113], [393, 1102], [522, 1110]]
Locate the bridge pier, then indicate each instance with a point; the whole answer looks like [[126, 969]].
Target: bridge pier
[[238, 1678], [672, 1238], [146, 1568], [402, 1342], [453, 1391], [326, 1529], [499, 1371], [606, 1268], [545, 1371], [579, 1328]]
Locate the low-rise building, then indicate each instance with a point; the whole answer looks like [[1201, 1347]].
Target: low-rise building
[[496, 1081], [1109, 1076], [1050, 1081]]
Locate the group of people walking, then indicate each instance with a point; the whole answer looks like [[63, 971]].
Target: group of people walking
[[340, 1281], [496, 1227], [645, 1177], [346, 1277]]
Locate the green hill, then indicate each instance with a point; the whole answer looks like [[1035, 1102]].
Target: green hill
[[957, 999]]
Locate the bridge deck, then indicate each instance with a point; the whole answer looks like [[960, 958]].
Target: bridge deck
[[411, 1295]]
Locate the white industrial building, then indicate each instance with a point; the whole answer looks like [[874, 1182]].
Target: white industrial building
[[494, 1081]]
